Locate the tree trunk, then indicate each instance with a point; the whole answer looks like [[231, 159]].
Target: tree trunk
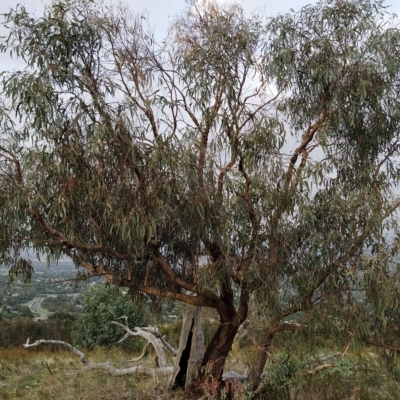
[[212, 366], [217, 352], [190, 351], [257, 368]]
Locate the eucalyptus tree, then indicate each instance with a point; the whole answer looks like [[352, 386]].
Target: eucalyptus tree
[[331, 222], [241, 159]]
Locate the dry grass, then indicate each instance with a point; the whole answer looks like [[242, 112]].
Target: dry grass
[[34, 375], [42, 374]]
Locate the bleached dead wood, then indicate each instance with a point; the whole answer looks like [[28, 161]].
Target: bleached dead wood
[[319, 368], [188, 356], [234, 376], [163, 371], [150, 334], [314, 361], [60, 342], [138, 369], [156, 343], [322, 361], [163, 339], [190, 351], [144, 354]]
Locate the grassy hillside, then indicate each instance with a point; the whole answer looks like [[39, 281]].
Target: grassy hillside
[[40, 375], [44, 374]]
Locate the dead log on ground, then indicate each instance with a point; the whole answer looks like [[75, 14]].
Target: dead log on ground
[[140, 369], [188, 356]]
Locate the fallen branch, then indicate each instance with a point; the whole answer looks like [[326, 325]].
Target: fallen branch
[[265, 378], [158, 342], [60, 342], [139, 369], [152, 336], [375, 343], [157, 334], [144, 354], [319, 368], [172, 350], [161, 357], [162, 371], [323, 359], [234, 376]]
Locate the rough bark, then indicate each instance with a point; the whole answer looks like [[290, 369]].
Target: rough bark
[[190, 351], [211, 374], [218, 350]]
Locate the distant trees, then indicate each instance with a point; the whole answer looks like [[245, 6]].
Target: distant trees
[[12, 310], [241, 160], [62, 302], [13, 333]]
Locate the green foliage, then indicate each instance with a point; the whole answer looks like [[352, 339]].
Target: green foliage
[[343, 367], [172, 331], [62, 303], [284, 369], [172, 169], [12, 308], [102, 305]]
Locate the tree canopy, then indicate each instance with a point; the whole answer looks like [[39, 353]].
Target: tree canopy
[[242, 159]]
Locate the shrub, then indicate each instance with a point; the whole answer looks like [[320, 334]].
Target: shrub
[[102, 304]]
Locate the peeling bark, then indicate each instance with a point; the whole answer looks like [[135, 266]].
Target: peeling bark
[[190, 351]]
